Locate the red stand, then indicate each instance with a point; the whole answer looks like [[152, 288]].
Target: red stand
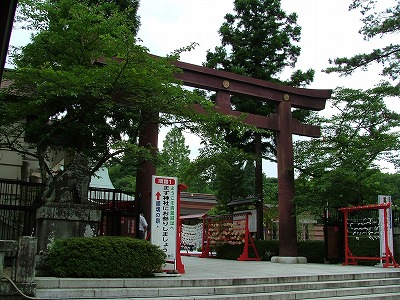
[[245, 255], [225, 235], [388, 259]]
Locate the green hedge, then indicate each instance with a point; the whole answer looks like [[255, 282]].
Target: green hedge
[[364, 246], [314, 251], [106, 256]]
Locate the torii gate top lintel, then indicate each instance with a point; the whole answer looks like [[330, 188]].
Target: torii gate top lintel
[[217, 80]]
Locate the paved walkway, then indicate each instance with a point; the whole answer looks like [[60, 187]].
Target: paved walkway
[[209, 268]]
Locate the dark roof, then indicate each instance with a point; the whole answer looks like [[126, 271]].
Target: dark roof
[[238, 202], [194, 216], [197, 197]]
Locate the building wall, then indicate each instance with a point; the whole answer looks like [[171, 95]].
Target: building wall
[[10, 165]]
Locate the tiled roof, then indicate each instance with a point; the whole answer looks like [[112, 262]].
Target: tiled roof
[[197, 197]]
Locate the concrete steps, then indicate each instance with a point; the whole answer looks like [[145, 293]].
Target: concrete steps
[[339, 286]]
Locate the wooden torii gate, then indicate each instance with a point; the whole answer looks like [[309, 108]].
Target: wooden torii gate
[[226, 84]]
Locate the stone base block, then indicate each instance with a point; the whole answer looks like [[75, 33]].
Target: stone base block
[[63, 221], [289, 259]]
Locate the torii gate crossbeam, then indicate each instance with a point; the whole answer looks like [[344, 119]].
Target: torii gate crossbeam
[[226, 84]]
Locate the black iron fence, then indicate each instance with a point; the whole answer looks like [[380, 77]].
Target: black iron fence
[[19, 201]]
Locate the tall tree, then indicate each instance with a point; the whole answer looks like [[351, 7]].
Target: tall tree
[[377, 24], [85, 87], [341, 167], [259, 40]]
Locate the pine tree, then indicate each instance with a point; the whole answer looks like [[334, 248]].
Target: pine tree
[[259, 40]]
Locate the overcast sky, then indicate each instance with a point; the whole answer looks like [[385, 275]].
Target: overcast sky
[[329, 30]]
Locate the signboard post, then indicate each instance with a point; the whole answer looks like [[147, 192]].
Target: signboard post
[[164, 220], [383, 199]]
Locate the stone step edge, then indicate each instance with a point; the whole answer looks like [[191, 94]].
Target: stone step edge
[[355, 282], [385, 296], [55, 282], [274, 295], [106, 293]]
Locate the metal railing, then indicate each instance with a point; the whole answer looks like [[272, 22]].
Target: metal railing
[[110, 199], [19, 201]]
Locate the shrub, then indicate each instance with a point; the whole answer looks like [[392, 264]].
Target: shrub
[[314, 251], [228, 251], [265, 249], [364, 246], [104, 256]]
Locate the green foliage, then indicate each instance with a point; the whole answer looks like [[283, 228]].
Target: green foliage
[[341, 168], [227, 251], [262, 39], [85, 86], [267, 249], [270, 190], [99, 257], [389, 185], [228, 171], [122, 171], [375, 24], [364, 131], [396, 240]]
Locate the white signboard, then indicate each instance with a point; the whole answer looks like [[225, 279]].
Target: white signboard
[[164, 194], [252, 219], [385, 199]]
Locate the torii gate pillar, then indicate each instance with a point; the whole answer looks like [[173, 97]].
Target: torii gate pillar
[[287, 217]]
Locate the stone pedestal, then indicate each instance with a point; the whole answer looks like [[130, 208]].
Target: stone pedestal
[[289, 259], [61, 221]]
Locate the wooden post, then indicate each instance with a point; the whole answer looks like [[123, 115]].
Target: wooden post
[[180, 267], [25, 270], [287, 218], [148, 138]]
